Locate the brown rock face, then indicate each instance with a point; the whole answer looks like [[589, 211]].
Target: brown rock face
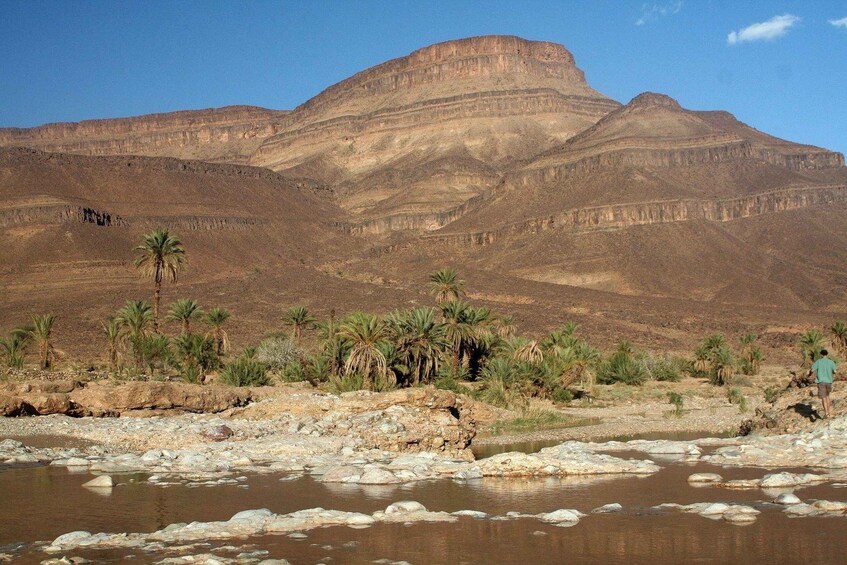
[[455, 109], [228, 134]]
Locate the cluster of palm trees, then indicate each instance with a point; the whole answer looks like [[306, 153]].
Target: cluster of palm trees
[[134, 332], [132, 335], [715, 359], [452, 341], [16, 344], [443, 344], [813, 341]]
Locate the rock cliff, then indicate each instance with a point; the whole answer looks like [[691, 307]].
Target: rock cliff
[[228, 134]]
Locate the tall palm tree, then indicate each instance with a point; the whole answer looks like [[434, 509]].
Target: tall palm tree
[[112, 329], [457, 328], [420, 342], [366, 334], [42, 327], [446, 285], [215, 318], [14, 347], [839, 334], [184, 310], [299, 318], [135, 320], [160, 256]]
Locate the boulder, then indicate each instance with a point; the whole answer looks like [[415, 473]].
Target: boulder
[[787, 498], [11, 405], [124, 397], [101, 482], [220, 432]]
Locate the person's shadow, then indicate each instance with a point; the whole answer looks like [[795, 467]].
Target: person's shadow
[[806, 411]]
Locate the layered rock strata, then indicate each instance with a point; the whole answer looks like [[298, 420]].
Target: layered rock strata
[[221, 134]]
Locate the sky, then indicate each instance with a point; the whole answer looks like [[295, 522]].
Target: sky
[[779, 66]]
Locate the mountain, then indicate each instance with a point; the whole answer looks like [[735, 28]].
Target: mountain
[[656, 200], [229, 134], [493, 154]]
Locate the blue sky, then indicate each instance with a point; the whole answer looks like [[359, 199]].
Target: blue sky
[[780, 66]]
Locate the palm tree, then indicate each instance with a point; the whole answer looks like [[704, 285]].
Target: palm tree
[[457, 328], [839, 333], [14, 347], [504, 327], [135, 319], [747, 343], [42, 327], [112, 329], [184, 310], [528, 351], [420, 342], [811, 344], [216, 317], [723, 365], [446, 285], [298, 318], [366, 335], [161, 256]]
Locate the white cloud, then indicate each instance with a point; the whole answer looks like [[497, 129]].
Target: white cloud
[[650, 13], [775, 27], [839, 23]]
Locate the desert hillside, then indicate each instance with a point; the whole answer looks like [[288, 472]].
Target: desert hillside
[[646, 221]]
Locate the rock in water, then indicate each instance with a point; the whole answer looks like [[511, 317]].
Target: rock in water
[[101, 482]]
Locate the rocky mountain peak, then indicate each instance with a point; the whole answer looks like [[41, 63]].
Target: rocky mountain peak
[[646, 99]]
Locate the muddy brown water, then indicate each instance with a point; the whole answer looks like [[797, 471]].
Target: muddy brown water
[[40, 503]]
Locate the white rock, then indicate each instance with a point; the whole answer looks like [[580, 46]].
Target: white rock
[[378, 477], [405, 506], [607, 508], [705, 478], [561, 515], [830, 506], [787, 498], [777, 480], [71, 538], [470, 513], [252, 515], [103, 481]]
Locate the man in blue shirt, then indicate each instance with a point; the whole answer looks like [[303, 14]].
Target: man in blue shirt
[[824, 371]]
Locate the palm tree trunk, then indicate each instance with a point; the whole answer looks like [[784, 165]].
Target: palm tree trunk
[[44, 350], [157, 295], [186, 329], [455, 361], [367, 383]]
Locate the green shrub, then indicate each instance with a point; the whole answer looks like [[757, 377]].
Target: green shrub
[[623, 366], [245, 371], [191, 374], [678, 403], [772, 393], [666, 368], [278, 353], [735, 396], [447, 382], [293, 373], [561, 395], [346, 383]]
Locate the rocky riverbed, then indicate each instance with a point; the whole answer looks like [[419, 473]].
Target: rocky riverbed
[[395, 438]]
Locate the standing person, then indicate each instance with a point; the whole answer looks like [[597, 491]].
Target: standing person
[[824, 371]]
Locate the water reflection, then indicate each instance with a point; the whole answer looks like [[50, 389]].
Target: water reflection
[[50, 501]]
